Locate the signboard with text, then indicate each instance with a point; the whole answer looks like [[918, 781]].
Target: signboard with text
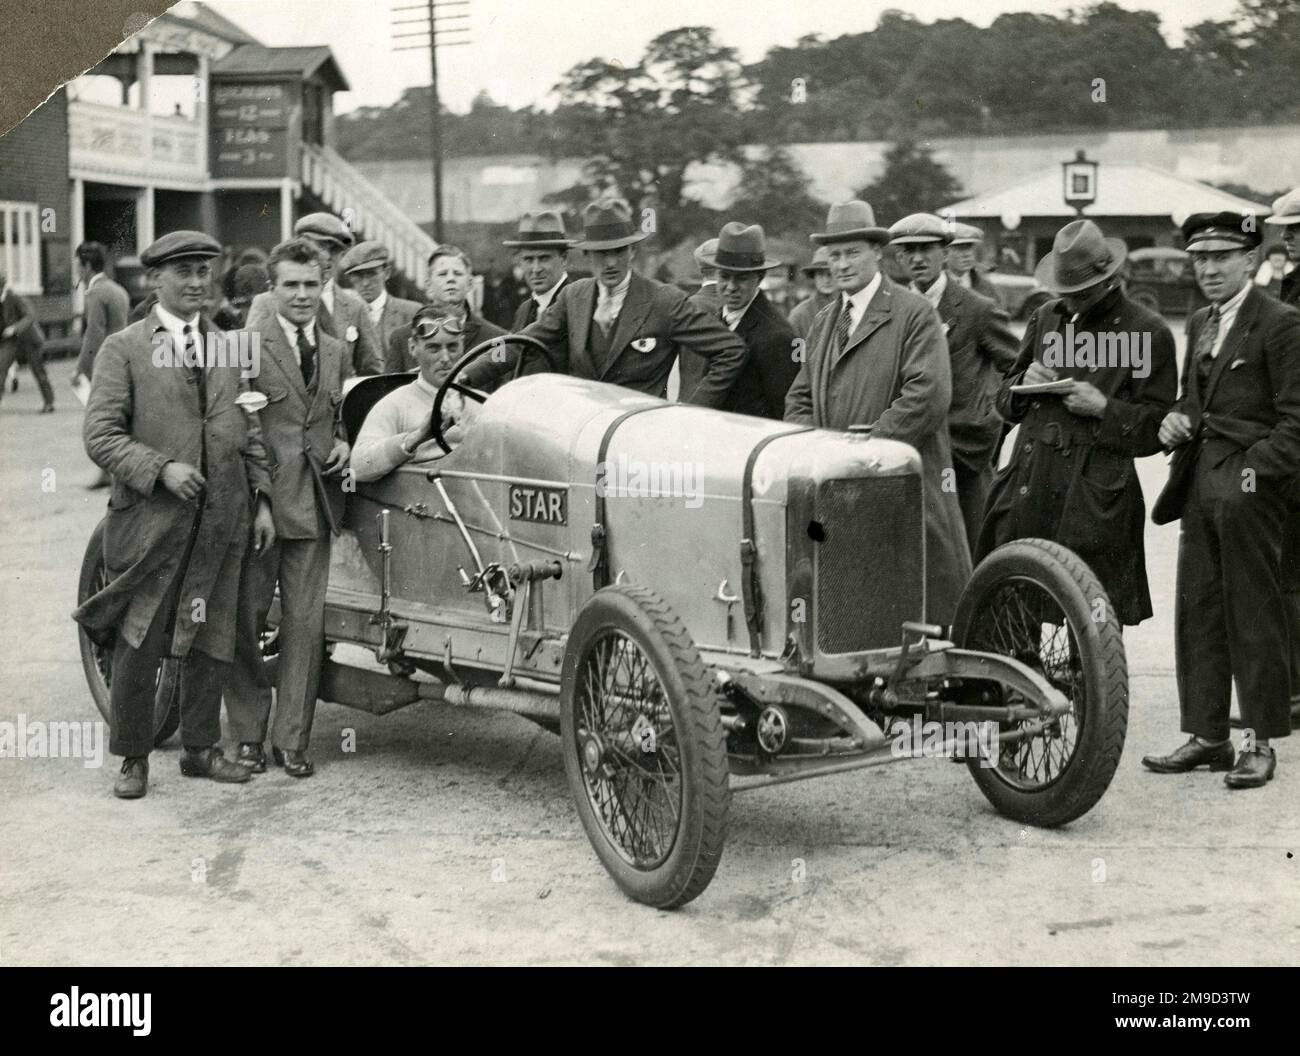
[[249, 129]]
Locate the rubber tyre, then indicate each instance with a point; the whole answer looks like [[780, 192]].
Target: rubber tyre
[[167, 702], [1103, 720], [655, 631]]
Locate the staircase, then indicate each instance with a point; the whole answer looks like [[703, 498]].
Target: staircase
[[366, 211]]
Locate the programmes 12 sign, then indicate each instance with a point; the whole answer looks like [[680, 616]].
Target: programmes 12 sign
[[250, 130]]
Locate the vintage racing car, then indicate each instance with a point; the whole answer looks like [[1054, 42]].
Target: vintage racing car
[[701, 602]]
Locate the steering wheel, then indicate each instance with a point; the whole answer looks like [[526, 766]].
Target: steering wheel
[[472, 356]]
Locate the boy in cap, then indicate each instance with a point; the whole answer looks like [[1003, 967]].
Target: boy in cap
[[1236, 439], [963, 247], [191, 484], [367, 268], [802, 314]]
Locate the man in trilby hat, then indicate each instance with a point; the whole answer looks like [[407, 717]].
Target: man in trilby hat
[[542, 255], [981, 349], [1071, 478], [622, 327], [739, 258], [1235, 434], [824, 293], [878, 358]]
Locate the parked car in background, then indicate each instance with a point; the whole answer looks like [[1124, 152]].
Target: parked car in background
[[1021, 295], [1161, 278]]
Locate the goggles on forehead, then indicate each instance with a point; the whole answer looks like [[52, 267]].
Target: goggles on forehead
[[430, 327]]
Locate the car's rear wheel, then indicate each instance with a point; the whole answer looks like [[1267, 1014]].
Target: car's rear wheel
[[1037, 602], [97, 662], [644, 748]]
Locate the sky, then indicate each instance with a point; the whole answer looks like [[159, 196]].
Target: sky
[[519, 49]]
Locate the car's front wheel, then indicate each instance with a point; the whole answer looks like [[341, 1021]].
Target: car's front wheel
[[644, 748], [1037, 602]]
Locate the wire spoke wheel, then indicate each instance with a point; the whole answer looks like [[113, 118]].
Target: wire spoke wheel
[[1038, 603], [644, 748]]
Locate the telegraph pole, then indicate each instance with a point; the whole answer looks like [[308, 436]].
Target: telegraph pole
[[432, 21]]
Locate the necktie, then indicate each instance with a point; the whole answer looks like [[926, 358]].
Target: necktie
[[196, 371], [842, 329], [306, 357], [1205, 347], [605, 314]]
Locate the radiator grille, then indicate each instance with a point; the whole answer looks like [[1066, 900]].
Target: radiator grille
[[870, 573]]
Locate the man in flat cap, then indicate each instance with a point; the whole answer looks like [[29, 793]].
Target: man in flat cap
[[190, 486], [303, 371], [963, 249], [542, 256], [1236, 439], [1071, 478], [824, 294], [981, 349], [342, 312], [623, 328], [739, 259], [878, 358], [367, 268]]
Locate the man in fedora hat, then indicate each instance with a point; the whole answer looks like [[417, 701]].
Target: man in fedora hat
[[1286, 215], [824, 294], [542, 255], [878, 358], [191, 486], [367, 266], [981, 349], [342, 312], [739, 258], [963, 248], [1071, 478], [1236, 439], [622, 327]]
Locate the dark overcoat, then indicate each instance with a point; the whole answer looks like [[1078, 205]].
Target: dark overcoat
[[1072, 479]]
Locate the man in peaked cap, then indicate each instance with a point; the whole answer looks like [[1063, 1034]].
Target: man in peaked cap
[[802, 315], [542, 255], [191, 483], [1236, 439], [739, 258], [342, 312], [981, 349], [878, 358], [1071, 478], [624, 328], [367, 267]]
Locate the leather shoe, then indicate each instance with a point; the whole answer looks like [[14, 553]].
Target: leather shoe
[[252, 756], [133, 782], [209, 762], [296, 764], [48, 409], [1189, 756], [1254, 769]]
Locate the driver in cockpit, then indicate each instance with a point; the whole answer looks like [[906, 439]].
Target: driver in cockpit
[[399, 428]]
